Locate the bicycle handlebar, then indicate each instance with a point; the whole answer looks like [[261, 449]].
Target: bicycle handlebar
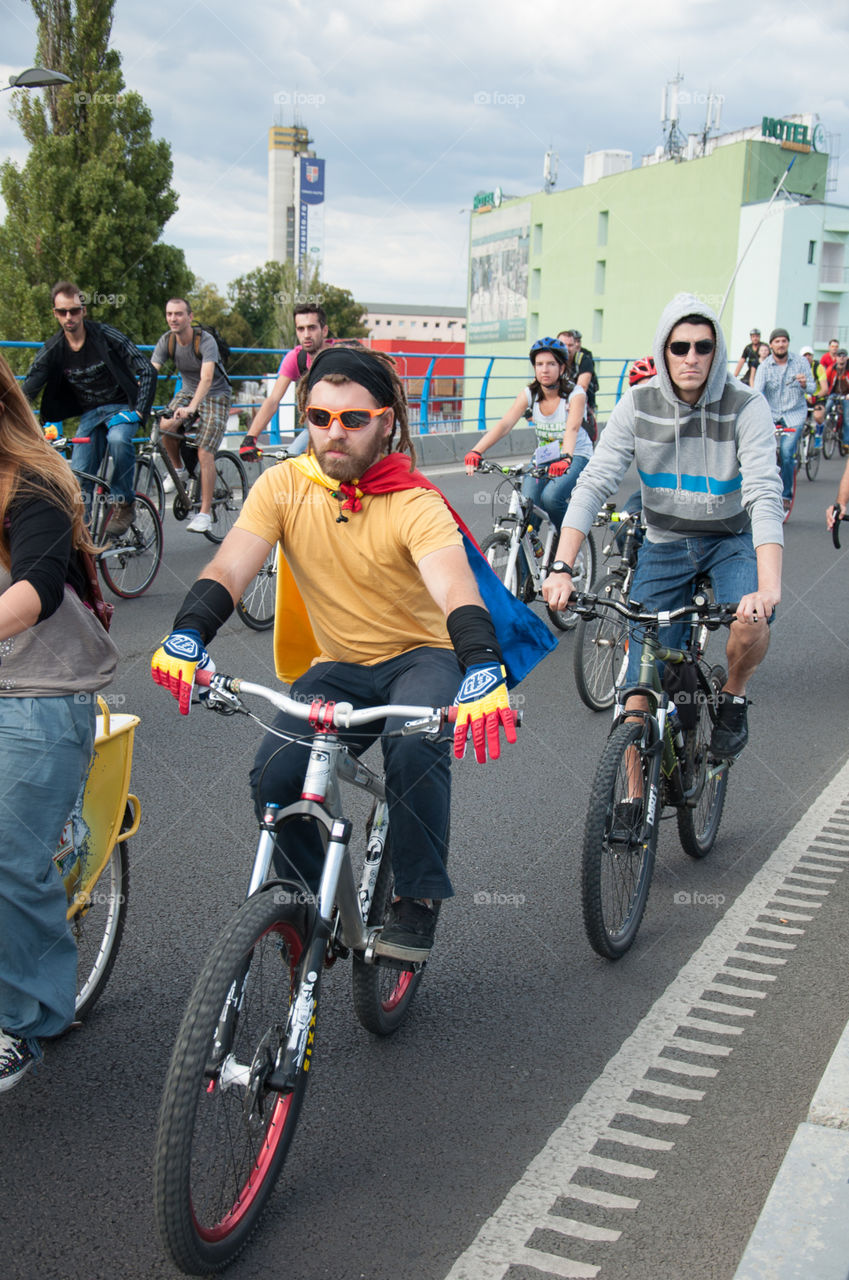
[[835, 528], [586, 604], [326, 715], [519, 469]]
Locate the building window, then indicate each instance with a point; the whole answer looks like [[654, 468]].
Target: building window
[[812, 245], [598, 326], [424, 324], [536, 283], [537, 237], [600, 271], [603, 216], [534, 326], [806, 312], [436, 324]]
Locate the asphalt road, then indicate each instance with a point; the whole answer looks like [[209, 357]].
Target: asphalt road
[[406, 1147]]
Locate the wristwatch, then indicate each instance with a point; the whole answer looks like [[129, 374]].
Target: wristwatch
[[560, 566]]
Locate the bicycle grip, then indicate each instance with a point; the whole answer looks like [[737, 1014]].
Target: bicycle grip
[[835, 528], [203, 677]]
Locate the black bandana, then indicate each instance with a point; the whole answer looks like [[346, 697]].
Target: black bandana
[[358, 366]]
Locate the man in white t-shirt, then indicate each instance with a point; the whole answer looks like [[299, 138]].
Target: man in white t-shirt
[[311, 332]]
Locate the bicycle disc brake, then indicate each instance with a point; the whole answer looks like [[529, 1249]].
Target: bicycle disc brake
[[267, 1054]]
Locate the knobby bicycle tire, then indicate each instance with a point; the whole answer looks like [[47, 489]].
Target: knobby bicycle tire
[[829, 439], [698, 825], [496, 549], [231, 487], [618, 854], [600, 648], [221, 1147], [148, 482], [812, 457], [131, 560], [257, 604], [382, 993], [582, 580], [99, 926]]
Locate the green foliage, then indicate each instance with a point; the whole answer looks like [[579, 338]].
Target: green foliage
[[92, 199]]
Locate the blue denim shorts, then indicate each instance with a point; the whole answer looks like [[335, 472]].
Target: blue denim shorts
[[666, 575]]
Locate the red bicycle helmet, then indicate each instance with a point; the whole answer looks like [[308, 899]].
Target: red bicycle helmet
[[640, 369]]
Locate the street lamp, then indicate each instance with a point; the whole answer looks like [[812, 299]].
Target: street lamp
[[36, 78]]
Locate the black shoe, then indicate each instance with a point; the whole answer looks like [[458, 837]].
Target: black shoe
[[731, 731], [627, 824], [408, 932]]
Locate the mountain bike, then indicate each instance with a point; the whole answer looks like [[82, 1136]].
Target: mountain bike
[[601, 643], [231, 481], [245, 1047], [832, 431], [92, 855], [652, 759], [128, 561], [809, 451], [258, 601], [520, 553]]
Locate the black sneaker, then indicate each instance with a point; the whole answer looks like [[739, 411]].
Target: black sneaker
[[731, 731], [16, 1058], [408, 932], [627, 824]]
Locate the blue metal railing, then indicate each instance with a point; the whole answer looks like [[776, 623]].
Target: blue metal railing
[[483, 392]]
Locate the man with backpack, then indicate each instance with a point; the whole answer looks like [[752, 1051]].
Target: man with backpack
[[205, 390], [311, 332], [582, 371]]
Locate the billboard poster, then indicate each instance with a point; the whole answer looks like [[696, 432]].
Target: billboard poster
[[498, 271], [310, 210]]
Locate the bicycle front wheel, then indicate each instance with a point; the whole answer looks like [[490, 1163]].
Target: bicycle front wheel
[[231, 487], [600, 649], [98, 926], [582, 579], [382, 993], [132, 559], [258, 600], [812, 458], [148, 482], [223, 1134], [497, 548], [698, 823], [829, 439], [619, 845]]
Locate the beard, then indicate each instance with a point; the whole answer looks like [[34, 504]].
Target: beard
[[351, 467]]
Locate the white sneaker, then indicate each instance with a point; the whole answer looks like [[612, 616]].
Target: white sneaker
[[16, 1058], [201, 523], [168, 485]]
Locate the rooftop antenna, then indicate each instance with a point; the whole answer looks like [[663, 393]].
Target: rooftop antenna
[[549, 171], [712, 114], [674, 141]]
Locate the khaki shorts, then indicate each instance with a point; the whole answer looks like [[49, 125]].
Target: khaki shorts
[[212, 420]]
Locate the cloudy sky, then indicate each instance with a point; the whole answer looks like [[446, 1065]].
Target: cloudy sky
[[417, 106]]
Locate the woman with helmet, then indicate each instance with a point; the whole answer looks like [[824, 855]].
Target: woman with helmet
[[555, 407]]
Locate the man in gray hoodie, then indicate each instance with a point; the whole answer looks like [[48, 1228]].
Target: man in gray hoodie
[[704, 448]]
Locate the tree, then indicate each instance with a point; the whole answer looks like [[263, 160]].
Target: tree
[[92, 199]]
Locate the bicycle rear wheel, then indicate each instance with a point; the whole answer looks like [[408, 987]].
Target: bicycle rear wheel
[[382, 993], [582, 579], [99, 927], [600, 648], [148, 482], [829, 438], [258, 601], [619, 845], [223, 1134], [698, 824], [231, 487], [812, 456], [132, 559]]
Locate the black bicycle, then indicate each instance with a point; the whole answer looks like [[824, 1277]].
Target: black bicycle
[[231, 481], [653, 758], [601, 643]]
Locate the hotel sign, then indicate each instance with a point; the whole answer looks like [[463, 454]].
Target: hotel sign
[[793, 137], [487, 200]]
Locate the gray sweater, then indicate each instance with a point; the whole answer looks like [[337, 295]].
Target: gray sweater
[[705, 469]]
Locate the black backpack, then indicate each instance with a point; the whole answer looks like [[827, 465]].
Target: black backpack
[[197, 329]]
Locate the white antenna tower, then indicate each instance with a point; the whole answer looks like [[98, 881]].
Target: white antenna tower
[[549, 171], [674, 141]]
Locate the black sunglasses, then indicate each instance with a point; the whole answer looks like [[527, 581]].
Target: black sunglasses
[[67, 311], [703, 347]]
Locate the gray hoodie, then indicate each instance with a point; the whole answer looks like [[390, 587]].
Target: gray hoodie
[[705, 469]]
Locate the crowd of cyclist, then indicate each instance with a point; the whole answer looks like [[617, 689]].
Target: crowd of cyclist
[[711, 502]]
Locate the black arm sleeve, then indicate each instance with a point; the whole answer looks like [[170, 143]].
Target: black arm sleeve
[[40, 549], [473, 636], [207, 607]]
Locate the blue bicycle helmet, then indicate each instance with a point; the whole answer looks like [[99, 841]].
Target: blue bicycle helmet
[[557, 349]]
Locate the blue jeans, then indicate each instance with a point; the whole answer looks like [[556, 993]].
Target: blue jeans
[[418, 782], [666, 575], [787, 446], [45, 748], [553, 494], [829, 402], [88, 457]]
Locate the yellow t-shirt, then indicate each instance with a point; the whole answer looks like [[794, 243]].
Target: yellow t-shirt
[[364, 595]]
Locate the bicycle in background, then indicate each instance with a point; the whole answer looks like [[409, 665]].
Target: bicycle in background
[[519, 553], [601, 643], [231, 481], [652, 759], [246, 1044], [258, 601], [832, 431]]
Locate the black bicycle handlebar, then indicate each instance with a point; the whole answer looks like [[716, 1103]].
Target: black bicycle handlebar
[[835, 528], [712, 613]]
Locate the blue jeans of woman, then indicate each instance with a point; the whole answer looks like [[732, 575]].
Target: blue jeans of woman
[[119, 439], [45, 748], [788, 451], [553, 494], [418, 783]]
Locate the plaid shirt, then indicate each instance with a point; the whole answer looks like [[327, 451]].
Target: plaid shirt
[[779, 386]]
